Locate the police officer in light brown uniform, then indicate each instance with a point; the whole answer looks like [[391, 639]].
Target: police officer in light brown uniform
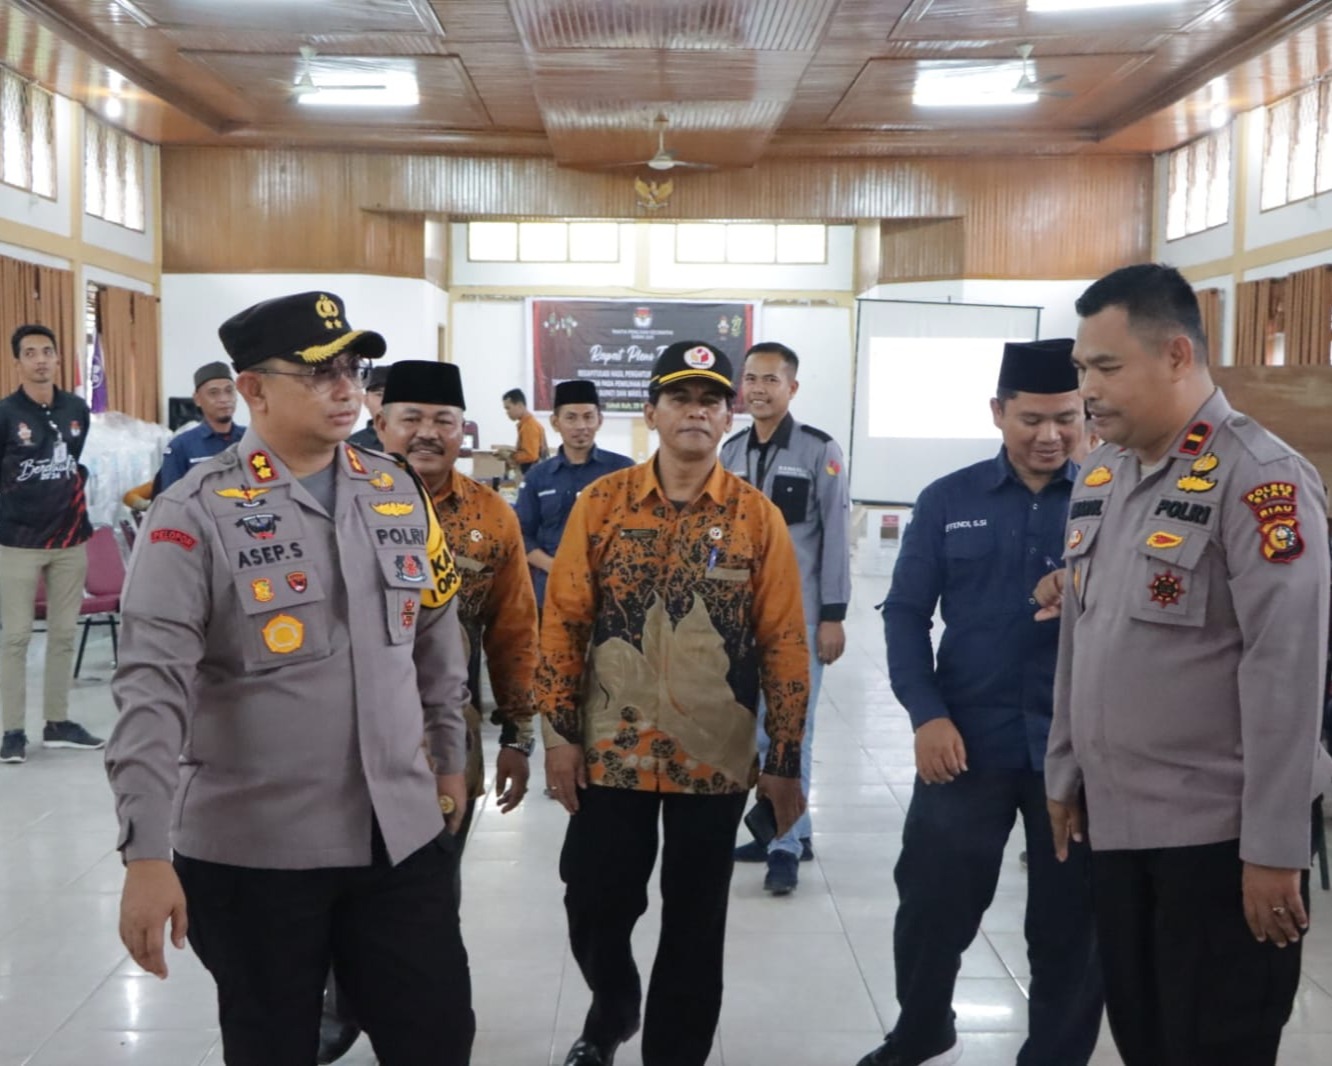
[[1188, 688], [290, 635]]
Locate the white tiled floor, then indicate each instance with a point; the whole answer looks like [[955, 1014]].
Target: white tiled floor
[[809, 977]]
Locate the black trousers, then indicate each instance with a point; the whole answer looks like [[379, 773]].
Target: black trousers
[[1186, 983], [609, 852], [269, 936], [952, 850]]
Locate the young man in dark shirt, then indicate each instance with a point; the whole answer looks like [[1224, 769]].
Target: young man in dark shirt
[[43, 528]]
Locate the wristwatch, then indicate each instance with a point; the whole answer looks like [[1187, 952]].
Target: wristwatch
[[524, 746]]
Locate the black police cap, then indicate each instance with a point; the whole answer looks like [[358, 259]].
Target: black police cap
[[309, 328]]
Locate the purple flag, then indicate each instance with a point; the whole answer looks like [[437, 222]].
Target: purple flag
[[98, 376]]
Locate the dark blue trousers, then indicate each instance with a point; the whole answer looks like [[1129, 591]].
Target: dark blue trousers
[[952, 849]]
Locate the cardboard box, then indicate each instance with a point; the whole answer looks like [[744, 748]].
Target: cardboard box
[[486, 465]]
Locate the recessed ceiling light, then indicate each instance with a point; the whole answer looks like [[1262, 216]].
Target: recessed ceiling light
[[357, 83], [113, 107], [1042, 7], [990, 86], [1219, 117]]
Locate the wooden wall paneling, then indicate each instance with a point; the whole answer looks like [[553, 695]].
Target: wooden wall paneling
[[922, 249], [1309, 317], [1290, 401], [297, 210], [1210, 306]]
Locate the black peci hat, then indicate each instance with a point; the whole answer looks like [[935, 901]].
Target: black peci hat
[[422, 381], [211, 372], [576, 390], [309, 328], [1039, 366], [691, 359]]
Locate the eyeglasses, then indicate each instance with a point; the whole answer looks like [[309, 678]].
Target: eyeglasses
[[322, 378]]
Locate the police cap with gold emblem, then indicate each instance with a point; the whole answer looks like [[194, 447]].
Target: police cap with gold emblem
[[684, 360], [423, 381], [1039, 366], [308, 328]]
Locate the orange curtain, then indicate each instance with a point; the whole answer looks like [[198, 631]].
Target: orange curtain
[[127, 322], [1209, 304], [44, 296], [1259, 317], [1309, 317]]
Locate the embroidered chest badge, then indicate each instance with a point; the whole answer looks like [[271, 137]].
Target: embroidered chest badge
[[1074, 539], [1162, 539], [409, 568], [393, 509], [284, 634], [1098, 477], [1196, 480], [262, 589], [1167, 588], [383, 481]]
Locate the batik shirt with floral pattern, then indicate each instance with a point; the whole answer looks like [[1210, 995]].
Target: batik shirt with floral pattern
[[662, 624]]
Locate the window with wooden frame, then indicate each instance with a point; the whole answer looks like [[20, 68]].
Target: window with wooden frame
[[113, 174], [1198, 186], [27, 144], [1297, 147]]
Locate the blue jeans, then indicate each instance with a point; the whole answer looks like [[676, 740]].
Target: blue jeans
[[791, 841]]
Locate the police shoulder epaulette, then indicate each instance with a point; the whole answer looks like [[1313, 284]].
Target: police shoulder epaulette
[[818, 434], [1263, 446]]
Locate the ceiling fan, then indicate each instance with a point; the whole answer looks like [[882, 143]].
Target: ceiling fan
[[664, 159], [305, 84], [1028, 85]]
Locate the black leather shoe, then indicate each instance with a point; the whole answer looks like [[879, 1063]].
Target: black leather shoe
[[586, 1053]]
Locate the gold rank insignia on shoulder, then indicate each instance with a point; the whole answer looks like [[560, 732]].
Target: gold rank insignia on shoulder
[[1098, 477], [393, 508], [262, 466], [354, 460]]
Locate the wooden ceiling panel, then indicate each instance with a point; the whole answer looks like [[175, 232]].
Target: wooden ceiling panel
[[882, 95], [582, 79], [292, 16], [1009, 19], [709, 25], [601, 133], [476, 20], [365, 44], [673, 75], [447, 96], [503, 79]]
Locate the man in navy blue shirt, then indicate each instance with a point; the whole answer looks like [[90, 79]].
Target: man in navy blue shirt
[[550, 487], [215, 396], [979, 541]]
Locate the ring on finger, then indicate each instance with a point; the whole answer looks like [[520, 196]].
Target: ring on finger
[[1278, 911]]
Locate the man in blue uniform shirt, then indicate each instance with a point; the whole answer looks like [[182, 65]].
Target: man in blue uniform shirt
[[550, 488], [978, 542], [215, 396]]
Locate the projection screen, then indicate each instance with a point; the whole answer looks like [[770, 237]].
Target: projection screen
[[925, 373]]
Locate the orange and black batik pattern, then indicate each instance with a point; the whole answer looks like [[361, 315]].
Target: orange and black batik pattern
[[660, 625], [496, 604]]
